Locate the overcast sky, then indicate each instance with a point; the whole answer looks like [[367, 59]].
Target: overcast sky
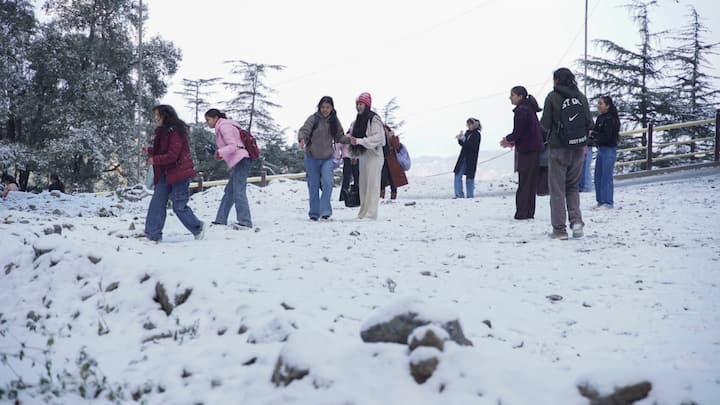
[[445, 61]]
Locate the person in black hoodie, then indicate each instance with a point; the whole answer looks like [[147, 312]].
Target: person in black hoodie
[[566, 156], [466, 164], [605, 135]]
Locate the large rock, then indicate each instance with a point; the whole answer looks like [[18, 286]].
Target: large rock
[[394, 323]]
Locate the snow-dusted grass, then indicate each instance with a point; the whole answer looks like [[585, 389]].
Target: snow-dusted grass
[[640, 297]]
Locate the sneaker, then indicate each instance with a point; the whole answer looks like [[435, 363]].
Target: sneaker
[[217, 223], [201, 234], [602, 207], [240, 227], [577, 230], [314, 219], [562, 235], [325, 217]]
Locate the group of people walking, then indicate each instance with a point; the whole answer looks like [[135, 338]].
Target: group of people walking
[[369, 159], [369, 148]]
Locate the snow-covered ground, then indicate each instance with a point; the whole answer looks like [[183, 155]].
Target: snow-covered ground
[[640, 298]]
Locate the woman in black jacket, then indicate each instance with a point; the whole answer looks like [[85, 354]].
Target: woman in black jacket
[[467, 161], [605, 134]]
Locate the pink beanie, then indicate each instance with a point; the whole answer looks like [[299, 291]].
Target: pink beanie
[[365, 98]]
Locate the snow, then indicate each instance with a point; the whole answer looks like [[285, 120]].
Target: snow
[[640, 298]]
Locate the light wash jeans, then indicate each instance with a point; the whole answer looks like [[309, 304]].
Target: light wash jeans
[[317, 171], [604, 167], [469, 184], [236, 194], [157, 211]]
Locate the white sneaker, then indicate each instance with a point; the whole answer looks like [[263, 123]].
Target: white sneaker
[[201, 235], [577, 230], [238, 227]]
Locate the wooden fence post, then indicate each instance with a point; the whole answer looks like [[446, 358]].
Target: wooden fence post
[[717, 136], [650, 146]]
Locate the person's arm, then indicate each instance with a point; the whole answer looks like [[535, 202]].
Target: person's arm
[[375, 135], [547, 115], [521, 126], [304, 131], [340, 136], [173, 153]]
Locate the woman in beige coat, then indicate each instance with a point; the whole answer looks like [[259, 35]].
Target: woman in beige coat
[[367, 137]]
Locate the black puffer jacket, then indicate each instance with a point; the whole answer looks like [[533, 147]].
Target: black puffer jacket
[[606, 131]]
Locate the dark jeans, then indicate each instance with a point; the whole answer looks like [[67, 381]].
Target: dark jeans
[[157, 211], [528, 170], [236, 194], [564, 171], [350, 172]]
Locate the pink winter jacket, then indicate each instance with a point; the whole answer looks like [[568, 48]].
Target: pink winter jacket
[[227, 138]]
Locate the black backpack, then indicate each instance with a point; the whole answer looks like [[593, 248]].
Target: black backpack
[[572, 129]]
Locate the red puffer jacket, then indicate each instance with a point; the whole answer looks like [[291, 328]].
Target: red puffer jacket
[[171, 156]]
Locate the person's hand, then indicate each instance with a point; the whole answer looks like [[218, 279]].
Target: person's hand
[[461, 135], [353, 140], [301, 143], [217, 156]]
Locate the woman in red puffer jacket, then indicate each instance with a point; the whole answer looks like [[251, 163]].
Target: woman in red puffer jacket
[[173, 168]]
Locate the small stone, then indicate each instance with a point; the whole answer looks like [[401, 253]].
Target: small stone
[[488, 323], [554, 297]]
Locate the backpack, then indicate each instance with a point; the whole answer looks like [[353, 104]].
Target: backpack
[[572, 129], [403, 157], [249, 142]]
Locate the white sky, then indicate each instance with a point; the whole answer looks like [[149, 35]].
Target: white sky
[[445, 61]]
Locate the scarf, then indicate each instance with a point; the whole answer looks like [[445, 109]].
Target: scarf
[[360, 129]]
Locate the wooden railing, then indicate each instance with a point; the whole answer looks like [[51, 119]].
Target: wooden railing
[[650, 147]]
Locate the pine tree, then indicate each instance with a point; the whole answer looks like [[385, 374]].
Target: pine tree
[[195, 94], [251, 105], [633, 77], [695, 94], [389, 117]]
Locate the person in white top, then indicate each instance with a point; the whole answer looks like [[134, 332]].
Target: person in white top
[[367, 140]]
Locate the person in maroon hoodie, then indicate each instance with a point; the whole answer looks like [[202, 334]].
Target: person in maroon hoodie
[[173, 168], [528, 140]]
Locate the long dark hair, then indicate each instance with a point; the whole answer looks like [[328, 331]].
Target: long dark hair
[[215, 113], [522, 91], [612, 110], [332, 119], [170, 119], [564, 77]]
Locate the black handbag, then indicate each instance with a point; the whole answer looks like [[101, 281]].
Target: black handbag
[[352, 196]]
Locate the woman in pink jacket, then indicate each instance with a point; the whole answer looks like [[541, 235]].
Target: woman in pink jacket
[[232, 151]]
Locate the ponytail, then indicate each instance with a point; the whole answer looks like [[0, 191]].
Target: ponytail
[[522, 91], [215, 113], [533, 103]]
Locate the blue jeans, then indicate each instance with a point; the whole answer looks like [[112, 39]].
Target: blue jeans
[[469, 184], [585, 177], [236, 194], [319, 170], [157, 211], [604, 168]]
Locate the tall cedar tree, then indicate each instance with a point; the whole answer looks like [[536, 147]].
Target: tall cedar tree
[[695, 94], [632, 77], [196, 96]]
